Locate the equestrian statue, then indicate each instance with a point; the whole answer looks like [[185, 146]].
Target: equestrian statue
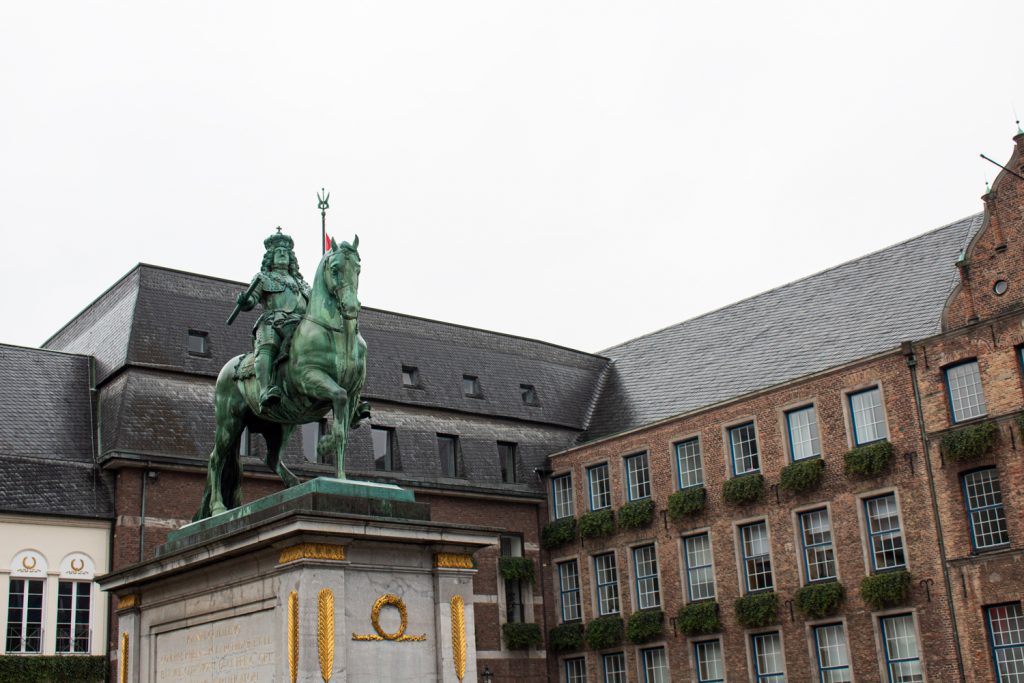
[[308, 358]]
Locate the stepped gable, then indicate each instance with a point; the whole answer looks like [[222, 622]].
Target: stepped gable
[[855, 310], [46, 452]]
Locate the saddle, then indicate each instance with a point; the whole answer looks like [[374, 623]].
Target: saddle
[[245, 375]]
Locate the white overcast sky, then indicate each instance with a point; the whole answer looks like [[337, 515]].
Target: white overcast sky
[[578, 172]]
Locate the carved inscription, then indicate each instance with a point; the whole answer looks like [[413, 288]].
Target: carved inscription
[[238, 650]]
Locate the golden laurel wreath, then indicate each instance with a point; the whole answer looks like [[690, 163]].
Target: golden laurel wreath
[[28, 563], [399, 635], [77, 565]]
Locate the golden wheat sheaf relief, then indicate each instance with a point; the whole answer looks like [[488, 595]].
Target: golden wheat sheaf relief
[[325, 632], [293, 635], [124, 657], [459, 635]]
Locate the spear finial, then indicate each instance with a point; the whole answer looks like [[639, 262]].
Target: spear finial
[[322, 196]]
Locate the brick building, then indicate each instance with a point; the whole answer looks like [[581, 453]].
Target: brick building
[[816, 484], [839, 455]]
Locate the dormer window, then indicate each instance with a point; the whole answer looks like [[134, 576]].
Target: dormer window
[[471, 386], [196, 344], [410, 376], [529, 394]]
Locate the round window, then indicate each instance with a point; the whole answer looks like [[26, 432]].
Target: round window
[[1000, 287]]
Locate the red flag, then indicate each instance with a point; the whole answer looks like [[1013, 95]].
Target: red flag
[[327, 242]]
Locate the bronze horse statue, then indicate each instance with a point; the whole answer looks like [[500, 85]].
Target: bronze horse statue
[[325, 369]]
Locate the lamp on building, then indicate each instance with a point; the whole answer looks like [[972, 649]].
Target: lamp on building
[[487, 675]]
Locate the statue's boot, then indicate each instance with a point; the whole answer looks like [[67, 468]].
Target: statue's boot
[[264, 364]]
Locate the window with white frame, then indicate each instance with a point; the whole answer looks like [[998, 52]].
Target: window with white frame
[[743, 446], [985, 513], [868, 416], [688, 463], [655, 665], [73, 608], [804, 442], [614, 666], [607, 579], [25, 616], [561, 496], [966, 397], [884, 532], [515, 604], [569, 590], [833, 657], [638, 477], [700, 577], [769, 661], [600, 487], [645, 567], [902, 655], [707, 661], [816, 538], [1006, 631], [757, 562], [576, 670]]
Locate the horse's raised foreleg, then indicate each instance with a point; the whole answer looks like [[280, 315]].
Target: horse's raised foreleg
[[277, 437], [318, 384]]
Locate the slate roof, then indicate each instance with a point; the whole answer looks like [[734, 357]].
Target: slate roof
[[163, 404], [855, 310], [145, 318], [46, 452]]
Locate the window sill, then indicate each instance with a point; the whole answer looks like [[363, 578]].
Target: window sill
[[991, 549], [971, 420]]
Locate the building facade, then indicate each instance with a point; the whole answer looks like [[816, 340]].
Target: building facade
[[814, 484], [56, 519], [854, 516]]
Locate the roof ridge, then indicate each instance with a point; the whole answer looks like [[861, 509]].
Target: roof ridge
[[108, 290], [140, 266], [595, 395], [507, 335], [22, 347], [863, 257]]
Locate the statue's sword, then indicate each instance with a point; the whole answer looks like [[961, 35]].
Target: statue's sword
[[245, 295]]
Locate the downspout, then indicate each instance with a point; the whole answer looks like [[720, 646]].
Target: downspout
[[908, 352], [542, 472], [142, 515]]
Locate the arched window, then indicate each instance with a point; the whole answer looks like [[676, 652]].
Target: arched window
[[25, 603], [74, 604]]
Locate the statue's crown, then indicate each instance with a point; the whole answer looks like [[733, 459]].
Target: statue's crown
[[278, 239]]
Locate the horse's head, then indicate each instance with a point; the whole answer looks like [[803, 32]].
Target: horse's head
[[341, 276]]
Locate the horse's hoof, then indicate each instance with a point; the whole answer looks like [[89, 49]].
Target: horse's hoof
[[217, 510]]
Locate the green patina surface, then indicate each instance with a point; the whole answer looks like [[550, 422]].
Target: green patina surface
[[308, 359], [331, 494]]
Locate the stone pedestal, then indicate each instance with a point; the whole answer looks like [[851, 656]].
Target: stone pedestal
[[328, 581]]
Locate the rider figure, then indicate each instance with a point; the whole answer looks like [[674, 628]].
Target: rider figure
[[284, 295]]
